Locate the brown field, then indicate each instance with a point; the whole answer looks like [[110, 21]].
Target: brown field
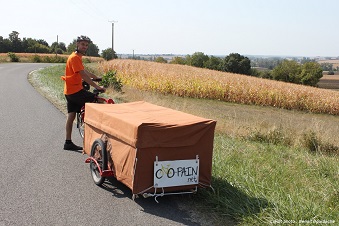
[[329, 82], [186, 81]]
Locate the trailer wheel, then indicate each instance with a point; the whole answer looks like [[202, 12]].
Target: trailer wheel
[[99, 153]]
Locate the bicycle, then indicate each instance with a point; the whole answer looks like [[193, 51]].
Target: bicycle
[[80, 116], [99, 167]]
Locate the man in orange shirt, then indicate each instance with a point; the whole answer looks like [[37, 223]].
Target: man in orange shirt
[[75, 95]]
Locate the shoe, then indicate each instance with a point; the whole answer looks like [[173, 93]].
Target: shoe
[[72, 147]]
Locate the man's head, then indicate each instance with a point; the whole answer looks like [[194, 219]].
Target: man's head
[[82, 44]]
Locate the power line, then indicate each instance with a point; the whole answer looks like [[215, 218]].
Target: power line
[[97, 10], [86, 10]]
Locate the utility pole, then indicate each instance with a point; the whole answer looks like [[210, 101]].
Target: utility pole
[[112, 21], [56, 48]]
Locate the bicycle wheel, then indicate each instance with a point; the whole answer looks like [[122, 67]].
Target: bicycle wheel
[[99, 153], [81, 124]]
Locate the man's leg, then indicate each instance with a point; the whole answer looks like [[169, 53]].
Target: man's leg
[[69, 125], [69, 145]]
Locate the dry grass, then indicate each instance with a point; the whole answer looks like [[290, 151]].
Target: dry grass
[[186, 81], [239, 120], [27, 57]]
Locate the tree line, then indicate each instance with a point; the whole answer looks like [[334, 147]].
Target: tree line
[[307, 72], [29, 45]]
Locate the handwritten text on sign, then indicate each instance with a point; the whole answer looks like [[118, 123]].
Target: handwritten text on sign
[[176, 173]]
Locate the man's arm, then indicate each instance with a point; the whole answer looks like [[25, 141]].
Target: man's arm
[[86, 76], [89, 74]]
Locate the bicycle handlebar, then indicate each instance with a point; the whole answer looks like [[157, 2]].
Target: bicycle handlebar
[[97, 79], [87, 86], [96, 91]]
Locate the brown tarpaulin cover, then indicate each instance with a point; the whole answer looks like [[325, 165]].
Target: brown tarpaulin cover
[[140, 131]]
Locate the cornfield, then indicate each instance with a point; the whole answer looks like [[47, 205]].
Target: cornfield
[[187, 81]]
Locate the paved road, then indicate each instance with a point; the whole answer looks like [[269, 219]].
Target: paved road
[[41, 184]]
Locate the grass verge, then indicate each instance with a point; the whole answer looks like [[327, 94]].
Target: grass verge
[[258, 181]]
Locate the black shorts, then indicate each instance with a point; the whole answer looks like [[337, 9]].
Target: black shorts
[[77, 100]]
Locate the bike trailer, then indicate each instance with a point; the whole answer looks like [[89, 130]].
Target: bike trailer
[[153, 150]]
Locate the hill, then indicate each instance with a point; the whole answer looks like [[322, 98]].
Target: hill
[[187, 81]]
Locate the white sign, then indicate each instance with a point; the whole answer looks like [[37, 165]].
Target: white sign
[[176, 173]]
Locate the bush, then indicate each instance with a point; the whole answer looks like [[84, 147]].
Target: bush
[[178, 60], [13, 57], [275, 136], [108, 54], [160, 60], [291, 71], [110, 79], [330, 73], [47, 59], [311, 142], [37, 59], [55, 59], [315, 145], [59, 51]]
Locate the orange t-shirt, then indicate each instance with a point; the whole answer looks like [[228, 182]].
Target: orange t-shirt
[[72, 78]]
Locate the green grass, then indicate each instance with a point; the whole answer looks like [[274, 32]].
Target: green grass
[[48, 82], [51, 77], [259, 179], [257, 183]]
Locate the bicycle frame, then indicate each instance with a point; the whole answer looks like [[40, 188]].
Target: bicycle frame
[[81, 115]]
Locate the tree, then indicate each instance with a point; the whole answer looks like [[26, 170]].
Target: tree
[[311, 73], [5, 45], [93, 50], [265, 74], [291, 71], [160, 60], [15, 42], [62, 46], [236, 63], [197, 59], [32, 46], [178, 60], [108, 54], [40, 48], [72, 46], [58, 48], [213, 63], [286, 71], [14, 36], [42, 42]]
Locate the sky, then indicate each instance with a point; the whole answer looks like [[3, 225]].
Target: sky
[[215, 27]]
